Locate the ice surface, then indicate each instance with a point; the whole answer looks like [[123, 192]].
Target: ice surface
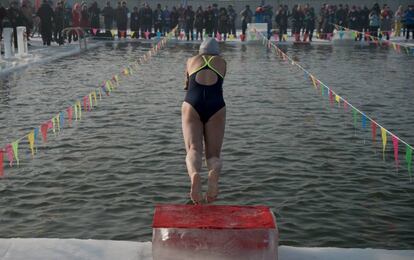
[[70, 249]]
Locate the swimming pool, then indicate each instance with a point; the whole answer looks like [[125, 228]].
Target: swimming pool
[[284, 147]]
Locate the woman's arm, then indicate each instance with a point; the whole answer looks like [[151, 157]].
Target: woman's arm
[[186, 76]]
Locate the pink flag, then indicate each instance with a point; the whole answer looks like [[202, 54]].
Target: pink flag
[[43, 128], [345, 106], [276, 36], [50, 124], [1, 163], [70, 111], [331, 98], [146, 35], [9, 151], [374, 130], [86, 103], [395, 143], [94, 30]]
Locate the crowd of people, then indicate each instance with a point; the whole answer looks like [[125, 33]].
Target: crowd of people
[[50, 20]]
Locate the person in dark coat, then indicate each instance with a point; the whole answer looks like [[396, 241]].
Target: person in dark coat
[[16, 18], [174, 17], [59, 20], [46, 15], [146, 16], [189, 22], [166, 17], [309, 22], [281, 20], [121, 17], [94, 12], [246, 17], [216, 13], [135, 23], [232, 20], [223, 23], [199, 22], [208, 21], [108, 14], [158, 21], [3, 14]]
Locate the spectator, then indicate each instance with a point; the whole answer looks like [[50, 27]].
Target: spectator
[[135, 23], [189, 22], [158, 21], [121, 17], [409, 21], [246, 17], [223, 23], [166, 16], [199, 22], [281, 20], [208, 21], [46, 15], [374, 21], [232, 20], [397, 21], [16, 18], [94, 12], [309, 22], [108, 14], [59, 20], [27, 11], [386, 22]]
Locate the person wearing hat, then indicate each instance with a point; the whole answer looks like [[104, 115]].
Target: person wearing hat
[[203, 116]]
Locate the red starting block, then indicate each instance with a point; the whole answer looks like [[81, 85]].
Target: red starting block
[[210, 232]]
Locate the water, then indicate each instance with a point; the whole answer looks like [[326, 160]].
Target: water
[[284, 146]]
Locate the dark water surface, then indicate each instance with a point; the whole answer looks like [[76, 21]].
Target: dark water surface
[[284, 147]]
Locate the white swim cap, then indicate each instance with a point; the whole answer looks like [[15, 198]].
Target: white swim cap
[[209, 46]]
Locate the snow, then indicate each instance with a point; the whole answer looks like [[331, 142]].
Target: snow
[[65, 249]]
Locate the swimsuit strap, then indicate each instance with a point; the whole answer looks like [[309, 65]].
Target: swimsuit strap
[[207, 64]]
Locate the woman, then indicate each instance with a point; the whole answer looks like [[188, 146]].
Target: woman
[[203, 117], [397, 21], [374, 22], [223, 23]]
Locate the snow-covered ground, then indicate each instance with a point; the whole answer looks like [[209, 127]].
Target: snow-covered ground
[[65, 249]]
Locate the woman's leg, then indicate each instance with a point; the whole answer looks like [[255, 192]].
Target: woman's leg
[[193, 139], [213, 138]]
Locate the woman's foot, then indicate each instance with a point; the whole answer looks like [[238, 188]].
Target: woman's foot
[[212, 188], [195, 193]]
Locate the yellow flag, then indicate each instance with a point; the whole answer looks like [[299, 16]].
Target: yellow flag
[[100, 94], [94, 97], [90, 100], [76, 112], [337, 98], [53, 125], [384, 141], [313, 81], [58, 122], [79, 109], [30, 136]]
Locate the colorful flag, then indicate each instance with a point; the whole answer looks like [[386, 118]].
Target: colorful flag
[[30, 137], [364, 121], [395, 144], [9, 152], [374, 130], [69, 110], [43, 128], [384, 141], [408, 158], [15, 146], [355, 116], [331, 99], [1, 163]]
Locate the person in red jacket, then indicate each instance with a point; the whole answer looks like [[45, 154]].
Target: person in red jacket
[[76, 11]]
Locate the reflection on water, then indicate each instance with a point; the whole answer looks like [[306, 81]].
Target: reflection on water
[[284, 147]]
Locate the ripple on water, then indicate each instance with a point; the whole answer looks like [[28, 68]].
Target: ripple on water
[[284, 146]]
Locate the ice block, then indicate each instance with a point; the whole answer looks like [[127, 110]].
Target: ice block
[[219, 232]]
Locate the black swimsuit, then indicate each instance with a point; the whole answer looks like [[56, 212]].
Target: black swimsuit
[[205, 99]]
